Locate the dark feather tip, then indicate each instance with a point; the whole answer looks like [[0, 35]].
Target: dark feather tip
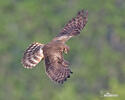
[[68, 76], [65, 79], [60, 82], [71, 72], [83, 13]]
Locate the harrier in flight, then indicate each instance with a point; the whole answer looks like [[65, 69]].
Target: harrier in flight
[[57, 68]]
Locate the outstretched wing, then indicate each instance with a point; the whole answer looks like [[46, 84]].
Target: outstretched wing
[[33, 55], [73, 27], [57, 70]]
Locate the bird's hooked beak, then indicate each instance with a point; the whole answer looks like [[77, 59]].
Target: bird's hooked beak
[[66, 50]]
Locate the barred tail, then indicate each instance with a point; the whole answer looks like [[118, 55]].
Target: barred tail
[[33, 55]]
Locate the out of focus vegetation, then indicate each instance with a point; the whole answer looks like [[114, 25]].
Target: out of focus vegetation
[[97, 55]]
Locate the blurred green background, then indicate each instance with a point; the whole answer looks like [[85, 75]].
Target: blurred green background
[[97, 55]]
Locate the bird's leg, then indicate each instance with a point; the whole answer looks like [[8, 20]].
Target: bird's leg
[[66, 49], [65, 63]]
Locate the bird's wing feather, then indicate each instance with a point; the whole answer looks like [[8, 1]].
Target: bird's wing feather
[[56, 70], [73, 27], [33, 55], [56, 67]]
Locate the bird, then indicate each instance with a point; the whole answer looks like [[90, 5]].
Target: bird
[[56, 67]]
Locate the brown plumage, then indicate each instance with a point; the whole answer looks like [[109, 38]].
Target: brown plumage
[[56, 67]]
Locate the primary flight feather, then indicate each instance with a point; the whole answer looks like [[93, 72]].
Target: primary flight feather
[[57, 68]]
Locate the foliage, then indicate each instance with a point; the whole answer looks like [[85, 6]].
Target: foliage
[[96, 56]]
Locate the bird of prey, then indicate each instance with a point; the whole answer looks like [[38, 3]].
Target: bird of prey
[[57, 68]]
